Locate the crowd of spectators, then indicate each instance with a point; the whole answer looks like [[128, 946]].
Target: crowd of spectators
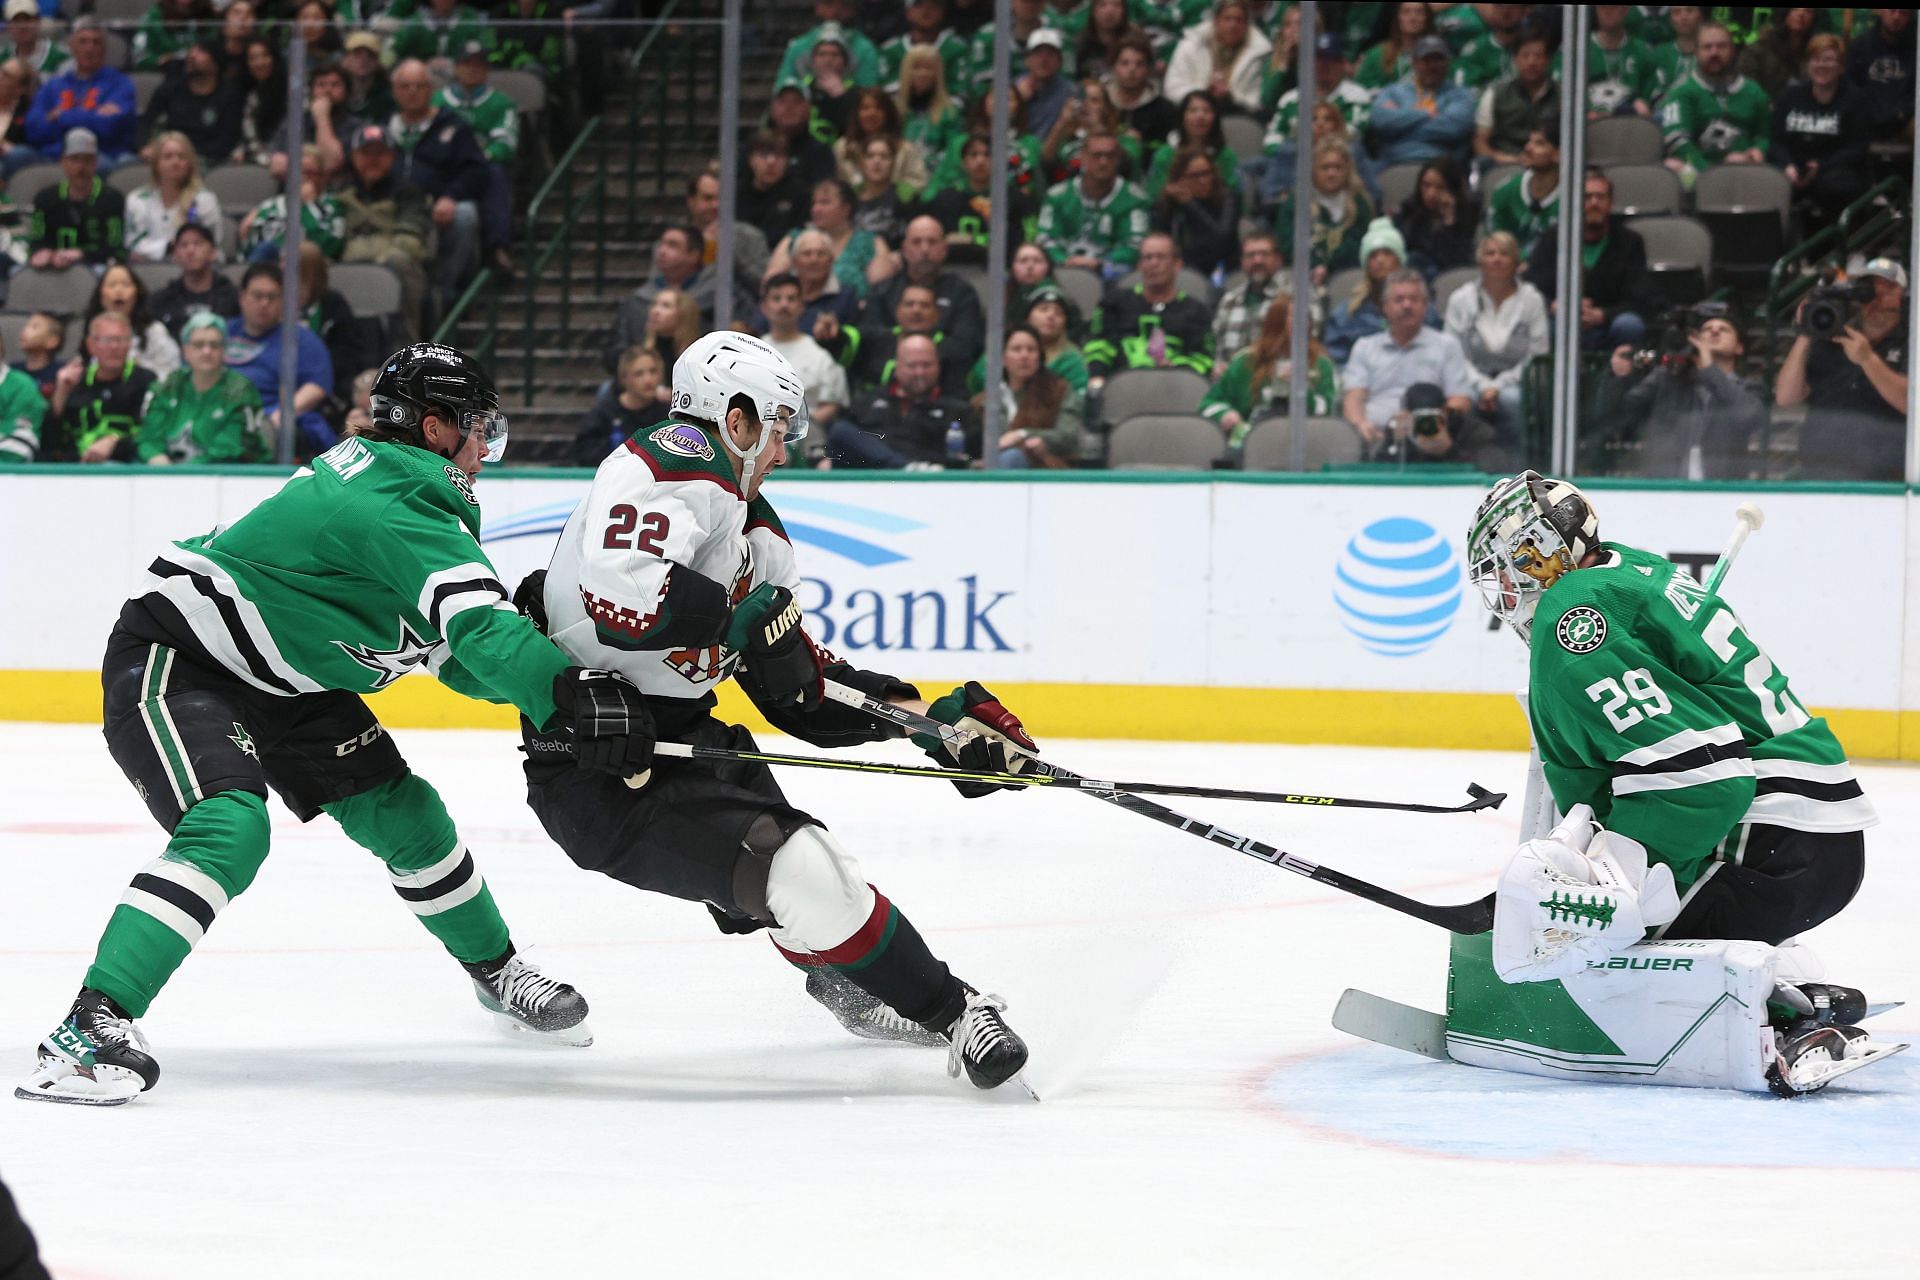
[[408, 159], [869, 181]]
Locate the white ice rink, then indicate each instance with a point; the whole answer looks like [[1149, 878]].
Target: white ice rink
[[334, 1104]]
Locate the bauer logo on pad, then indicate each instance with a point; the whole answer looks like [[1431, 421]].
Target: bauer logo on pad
[[1581, 630], [683, 440]]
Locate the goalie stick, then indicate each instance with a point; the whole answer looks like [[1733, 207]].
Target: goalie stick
[[1480, 797], [1467, 918]]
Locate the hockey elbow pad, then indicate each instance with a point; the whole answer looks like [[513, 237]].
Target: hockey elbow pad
[[692, 614]]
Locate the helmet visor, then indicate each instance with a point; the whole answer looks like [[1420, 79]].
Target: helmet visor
[[491, 425], [794, 423]]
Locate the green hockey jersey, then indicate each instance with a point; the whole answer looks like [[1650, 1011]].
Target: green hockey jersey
[[1704, 125], [1650, 702], [224, 423], [491, 114], [1072, 225], [364, 566]]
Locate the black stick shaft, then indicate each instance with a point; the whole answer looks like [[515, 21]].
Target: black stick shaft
[[1467, 918], [1482, 798]]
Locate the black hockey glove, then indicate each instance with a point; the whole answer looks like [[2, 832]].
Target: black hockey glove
[[612, 728], [995, 729], [766, 631]]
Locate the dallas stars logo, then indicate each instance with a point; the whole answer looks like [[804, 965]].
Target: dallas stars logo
[[1581, 630], [389, 665], [243, 740]]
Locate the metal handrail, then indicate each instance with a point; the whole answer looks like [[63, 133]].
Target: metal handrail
[[562, 242], [482, 283], [1865, 205]]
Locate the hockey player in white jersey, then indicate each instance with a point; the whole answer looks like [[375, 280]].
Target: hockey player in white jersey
[[676, 573]]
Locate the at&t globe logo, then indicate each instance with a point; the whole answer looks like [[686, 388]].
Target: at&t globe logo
[[1398, 585]]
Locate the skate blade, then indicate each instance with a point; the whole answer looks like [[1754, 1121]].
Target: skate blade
[[1020, 1078], [63, 1082], [1832, 1071], [579, 1036]]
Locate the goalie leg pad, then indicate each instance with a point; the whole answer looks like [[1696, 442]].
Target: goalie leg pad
[[1677, 1013]]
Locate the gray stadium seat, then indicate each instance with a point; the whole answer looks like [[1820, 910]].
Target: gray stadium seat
[[129, 178], [1397, 182], [369, 288], [156, 275], [1158, 391], [1330, 442], [1497, 177], [1447, 281], [975, 276], [11, 323], [234, 271], [119, 51], [1196, 285], [64, 292], [1641, 189], [1624, 140], [23, 186], [1743, 188], [241, 186], [1082, 287], [1165, 442], [1246, 137], [528, 91], [1679, 256], [1341, 284], [145, 85]]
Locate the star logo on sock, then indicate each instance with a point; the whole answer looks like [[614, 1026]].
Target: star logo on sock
[[243, 740]]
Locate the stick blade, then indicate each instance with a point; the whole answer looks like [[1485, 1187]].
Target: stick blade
[[1388, 1022], [1483, 798]]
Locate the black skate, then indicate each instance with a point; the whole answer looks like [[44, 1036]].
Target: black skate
[[526, 1003], [867, 1016], [1816, 1041], [96, 1058], [980, 1040]]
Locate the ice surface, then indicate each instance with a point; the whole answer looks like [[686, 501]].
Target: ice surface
[[334, 1104]]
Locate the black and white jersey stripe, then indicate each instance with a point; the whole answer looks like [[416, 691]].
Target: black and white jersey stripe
[[1810, 797], [1689, 758], [224, 622]]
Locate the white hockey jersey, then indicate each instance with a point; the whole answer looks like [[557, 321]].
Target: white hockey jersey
[[663, 502]]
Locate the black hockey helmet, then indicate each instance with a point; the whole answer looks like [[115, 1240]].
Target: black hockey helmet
[[428, 376]]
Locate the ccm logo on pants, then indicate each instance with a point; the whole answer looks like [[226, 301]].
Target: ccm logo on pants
[[352, 745]]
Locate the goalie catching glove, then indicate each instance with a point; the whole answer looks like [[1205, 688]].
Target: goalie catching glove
[[996, 747], [612, 728], [767, 631], [1580, 895]]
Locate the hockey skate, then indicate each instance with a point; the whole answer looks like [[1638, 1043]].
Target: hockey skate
[[1819, 1041], [981, 1042], [867, 1016], [526, 1004], [96, 1058]]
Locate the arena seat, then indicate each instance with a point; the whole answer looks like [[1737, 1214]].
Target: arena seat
[[1165, 442]]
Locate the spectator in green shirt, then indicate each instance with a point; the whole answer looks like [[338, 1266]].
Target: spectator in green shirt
[[27, 40], [1392, 58], [22, 409], [1716, 115], [1258, 381], [204, 413], [169, 27], [1622, 78], [436, 34]]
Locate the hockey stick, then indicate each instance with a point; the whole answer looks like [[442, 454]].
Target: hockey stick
[[1747, 517], [1481, 797], [1470, 917]]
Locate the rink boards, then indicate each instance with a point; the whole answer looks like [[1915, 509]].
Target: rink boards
[[1238, 608]]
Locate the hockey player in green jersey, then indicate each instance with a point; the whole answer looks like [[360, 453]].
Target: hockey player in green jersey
[[1702, 802], [238, 665]]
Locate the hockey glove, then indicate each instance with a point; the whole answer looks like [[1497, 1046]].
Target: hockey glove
[[612, 728], [766, 631], [996, 746]]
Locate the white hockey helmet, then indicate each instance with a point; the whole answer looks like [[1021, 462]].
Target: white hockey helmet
[[1528, 531], [724, 364]]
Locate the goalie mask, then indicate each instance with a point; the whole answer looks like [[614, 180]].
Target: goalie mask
[[1528, 532], [720, 367]]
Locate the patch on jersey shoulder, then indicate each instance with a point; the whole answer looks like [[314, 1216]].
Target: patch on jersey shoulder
[[687, 442], [1581, 630], [462, 483]]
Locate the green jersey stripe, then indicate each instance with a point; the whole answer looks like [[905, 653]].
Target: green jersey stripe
[[224, 621], [452, 591], [192, 879], [160, 727], [163, 912]]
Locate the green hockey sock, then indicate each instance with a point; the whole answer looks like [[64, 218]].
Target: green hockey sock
[[404, 824], [212, 858]]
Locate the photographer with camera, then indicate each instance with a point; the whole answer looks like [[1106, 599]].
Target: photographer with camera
[[1385, 372], [1683, 403], [1850, 360]]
